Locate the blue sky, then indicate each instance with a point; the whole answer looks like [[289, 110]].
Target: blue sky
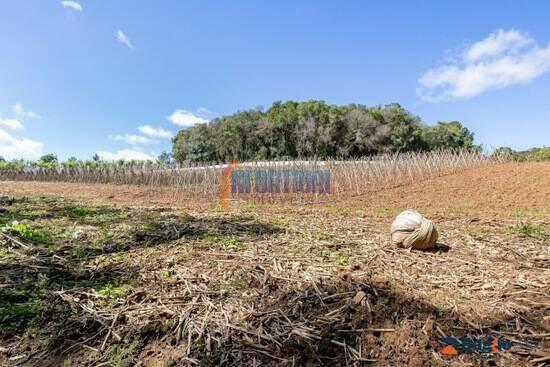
[[118, 77]]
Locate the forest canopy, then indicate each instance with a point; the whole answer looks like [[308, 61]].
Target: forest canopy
[[315, 129]]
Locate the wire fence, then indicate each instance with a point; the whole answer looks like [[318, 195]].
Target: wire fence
[[289, 181]]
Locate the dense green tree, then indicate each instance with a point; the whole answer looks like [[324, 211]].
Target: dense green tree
[[71, 162], [504, 151], [404, 129], [363, 134], [195, 144], [314, 129], [284, 119], [448, 135], [164, 158], [48, 158], [47, 161]]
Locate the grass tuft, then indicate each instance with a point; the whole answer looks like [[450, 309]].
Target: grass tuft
[[529, 230]]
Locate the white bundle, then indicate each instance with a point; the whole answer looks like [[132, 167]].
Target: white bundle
[[411, 230]]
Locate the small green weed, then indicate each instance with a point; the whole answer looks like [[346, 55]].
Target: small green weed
[[320, 235], [529, 230], [112, 290], [27, 233], [215, 208], [94, 216], [228, 242], [77, 212], [338, 257], [440, 312], [281, 222], [211, 238], [339, 209], [232, 243]]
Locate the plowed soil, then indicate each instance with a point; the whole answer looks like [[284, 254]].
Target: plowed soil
[[112, 276], [498, 190]]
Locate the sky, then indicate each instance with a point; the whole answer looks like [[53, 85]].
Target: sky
[[119, 78]]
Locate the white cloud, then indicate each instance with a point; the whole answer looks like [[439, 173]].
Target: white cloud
[[18, 109], [497, 43], [186, 118], [13, 148], [12, 124], [72, 5], [155, 132], [133, 139], [504, 58], [127, 154], [122, 38]]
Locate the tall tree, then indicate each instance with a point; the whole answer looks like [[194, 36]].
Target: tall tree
[[448, 135], [314, 129]]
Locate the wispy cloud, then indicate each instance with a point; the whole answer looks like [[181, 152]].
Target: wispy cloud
[[14, 148], [127, 155], [504, 58], [206, 113], [11, 124], [155, 132], [186, 118], [122, 38], [133, 139], [72, 5], [18, 109]]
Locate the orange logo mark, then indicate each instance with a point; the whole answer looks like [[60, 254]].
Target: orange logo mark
[[494, 345], [449, 350], [225, 184]]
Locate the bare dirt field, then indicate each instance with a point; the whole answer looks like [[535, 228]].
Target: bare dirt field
[[107, 275], [501, 190]]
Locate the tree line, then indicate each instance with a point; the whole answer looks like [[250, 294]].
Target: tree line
[[529, 155], [50, 161], [315, 129], [289, 130]]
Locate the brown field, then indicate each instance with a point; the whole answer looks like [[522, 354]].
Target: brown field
[[502, 189], [121, 276]]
